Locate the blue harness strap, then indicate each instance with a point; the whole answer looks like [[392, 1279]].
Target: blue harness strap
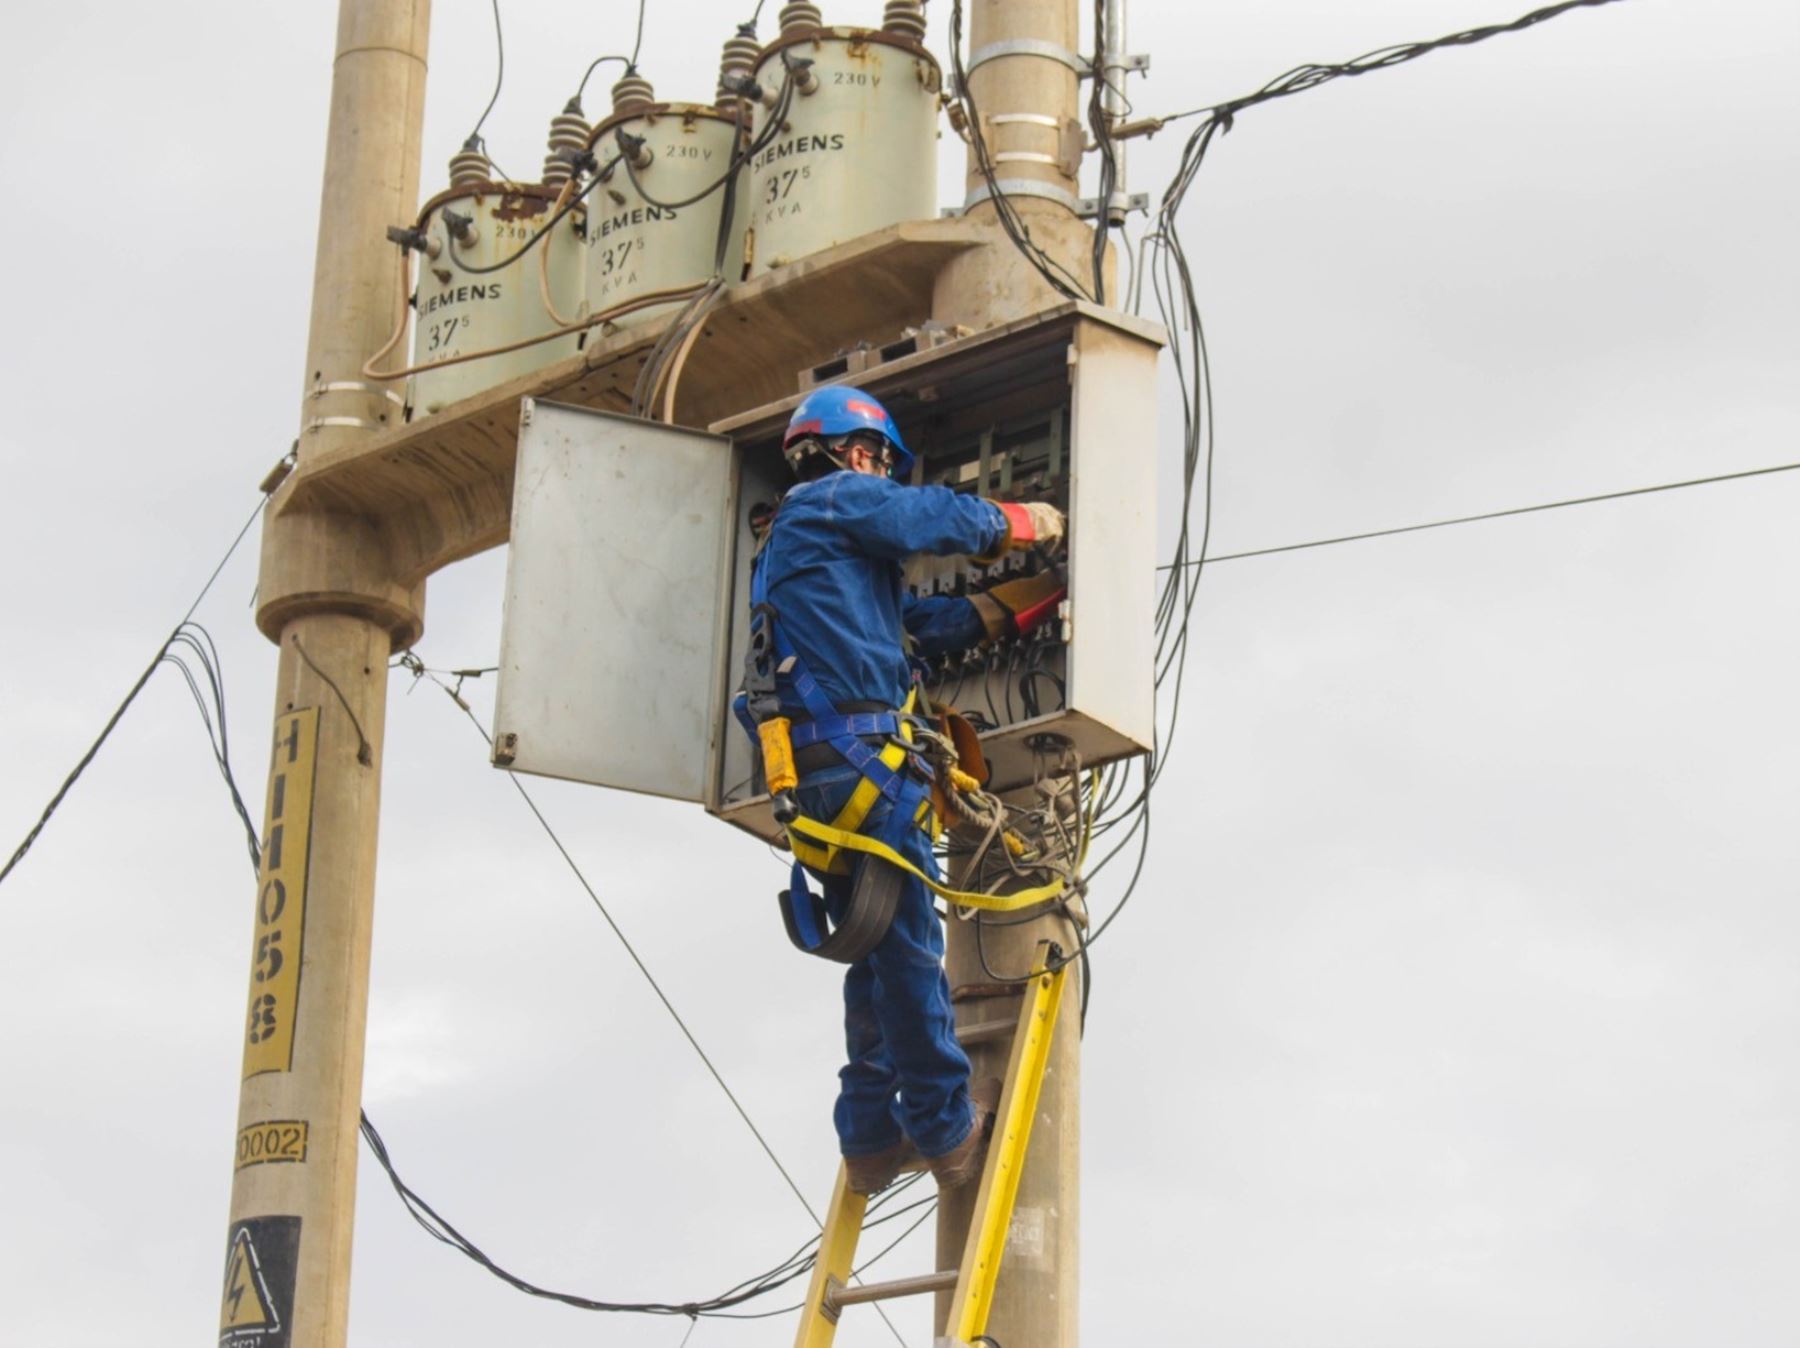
[[856, 723], [803, 912]]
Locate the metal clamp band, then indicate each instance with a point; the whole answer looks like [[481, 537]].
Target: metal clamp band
[[355, 386], [357, 423], [1025, 157], [1083, 208], [1027, 46], [1026, 119], [1024, 187]]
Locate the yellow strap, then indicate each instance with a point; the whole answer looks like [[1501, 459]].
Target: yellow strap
[[836, 841], [828, 842], [828, 860]]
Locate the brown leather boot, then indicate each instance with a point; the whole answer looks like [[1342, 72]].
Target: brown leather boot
[[873, 1173], [963, 1162]]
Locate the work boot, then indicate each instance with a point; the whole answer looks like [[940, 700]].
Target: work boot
[[872, 1173], [963, 1162]]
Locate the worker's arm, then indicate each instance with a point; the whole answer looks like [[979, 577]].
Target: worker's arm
[[885, 519], [1014, 608], [941, 624]]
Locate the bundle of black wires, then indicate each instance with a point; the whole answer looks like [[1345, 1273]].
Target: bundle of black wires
[[796, 1265], [1122, 812]]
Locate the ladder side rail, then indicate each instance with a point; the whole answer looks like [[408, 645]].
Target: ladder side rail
[[992, 1218]]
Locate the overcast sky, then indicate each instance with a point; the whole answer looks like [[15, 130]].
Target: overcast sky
[[1458, 1004]]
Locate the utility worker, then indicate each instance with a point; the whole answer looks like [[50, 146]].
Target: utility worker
[[828, 578]]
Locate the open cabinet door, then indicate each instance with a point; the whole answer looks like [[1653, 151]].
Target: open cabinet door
[[615, 591]]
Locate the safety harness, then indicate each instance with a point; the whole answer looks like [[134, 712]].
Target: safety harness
[[896, 772]]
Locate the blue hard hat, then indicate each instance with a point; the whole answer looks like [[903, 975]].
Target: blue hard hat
[[838, 410]]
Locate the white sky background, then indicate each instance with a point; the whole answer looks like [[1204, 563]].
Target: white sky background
[[1458, 1004]]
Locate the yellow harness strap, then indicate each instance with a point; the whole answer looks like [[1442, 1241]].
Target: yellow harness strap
[[822, 846], [834, 842]]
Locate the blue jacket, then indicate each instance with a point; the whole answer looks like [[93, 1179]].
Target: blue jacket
[[833, 561]]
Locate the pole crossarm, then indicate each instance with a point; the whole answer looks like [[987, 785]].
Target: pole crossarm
[[438, 490]]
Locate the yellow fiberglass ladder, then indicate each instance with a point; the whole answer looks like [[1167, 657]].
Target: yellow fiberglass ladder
[[973, 1282]]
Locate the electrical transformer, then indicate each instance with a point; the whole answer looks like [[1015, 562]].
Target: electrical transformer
[[655, 219], [657, 522], [466, 302], [857, 146]]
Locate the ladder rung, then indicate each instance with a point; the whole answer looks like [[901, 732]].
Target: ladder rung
[[986, 1030], [837, 1296]]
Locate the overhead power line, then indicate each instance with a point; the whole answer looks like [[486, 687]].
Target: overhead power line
[[112, 721], [631, 950], [1492, 515], [439, 1228], [1311, 76], [1171, 283]]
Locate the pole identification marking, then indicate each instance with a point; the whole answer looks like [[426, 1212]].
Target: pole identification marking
[[281, 895], [272, 1141], [256, 1309]]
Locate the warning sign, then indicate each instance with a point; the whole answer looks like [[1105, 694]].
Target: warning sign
[[281, 896], [257, 1309]]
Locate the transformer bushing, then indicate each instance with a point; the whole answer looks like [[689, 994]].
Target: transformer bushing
[[906, 17], [568, 139], [800, 15], [470, 165], [632, 91], [737, 60]]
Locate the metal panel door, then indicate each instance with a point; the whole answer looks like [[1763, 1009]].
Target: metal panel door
[[615, 592]]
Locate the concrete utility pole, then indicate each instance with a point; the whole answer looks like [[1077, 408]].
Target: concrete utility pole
[[1027, 97], [372, 507], [329, 597]]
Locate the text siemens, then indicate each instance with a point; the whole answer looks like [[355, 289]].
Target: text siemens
[[642, 215], [800, 145], [489, 290]]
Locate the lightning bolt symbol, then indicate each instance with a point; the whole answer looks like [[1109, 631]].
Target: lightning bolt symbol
[[236, 1293]]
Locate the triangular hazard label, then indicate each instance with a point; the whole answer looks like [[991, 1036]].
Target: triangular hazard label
[[247, 1305]]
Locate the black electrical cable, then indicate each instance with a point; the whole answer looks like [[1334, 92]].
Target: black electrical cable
[[740, 157], [637, 46], [650, 375], [196, 641], [1495, 514], [499, 78], [130, 697], [796, 1265], [448, 1233], [1055, 275], [636, 959], [1100, 123], [1171, 284], [199, 644], [1311, 76], [599, 61], [543, 229]]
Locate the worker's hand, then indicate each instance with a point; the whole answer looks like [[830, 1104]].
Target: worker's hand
[[1028, 524], [1015, 607], [1046, 522]]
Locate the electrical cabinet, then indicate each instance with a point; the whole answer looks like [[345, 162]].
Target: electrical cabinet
[[1057, 407]]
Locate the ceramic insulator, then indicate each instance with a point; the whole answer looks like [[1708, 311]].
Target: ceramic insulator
[[630, 92], [799, 15], [738, 58], [568, 132], [904, 17], [470, 166]]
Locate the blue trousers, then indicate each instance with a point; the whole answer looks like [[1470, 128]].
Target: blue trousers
[[907, 1073]]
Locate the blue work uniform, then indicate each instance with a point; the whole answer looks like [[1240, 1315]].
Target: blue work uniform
[[833, 562]]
